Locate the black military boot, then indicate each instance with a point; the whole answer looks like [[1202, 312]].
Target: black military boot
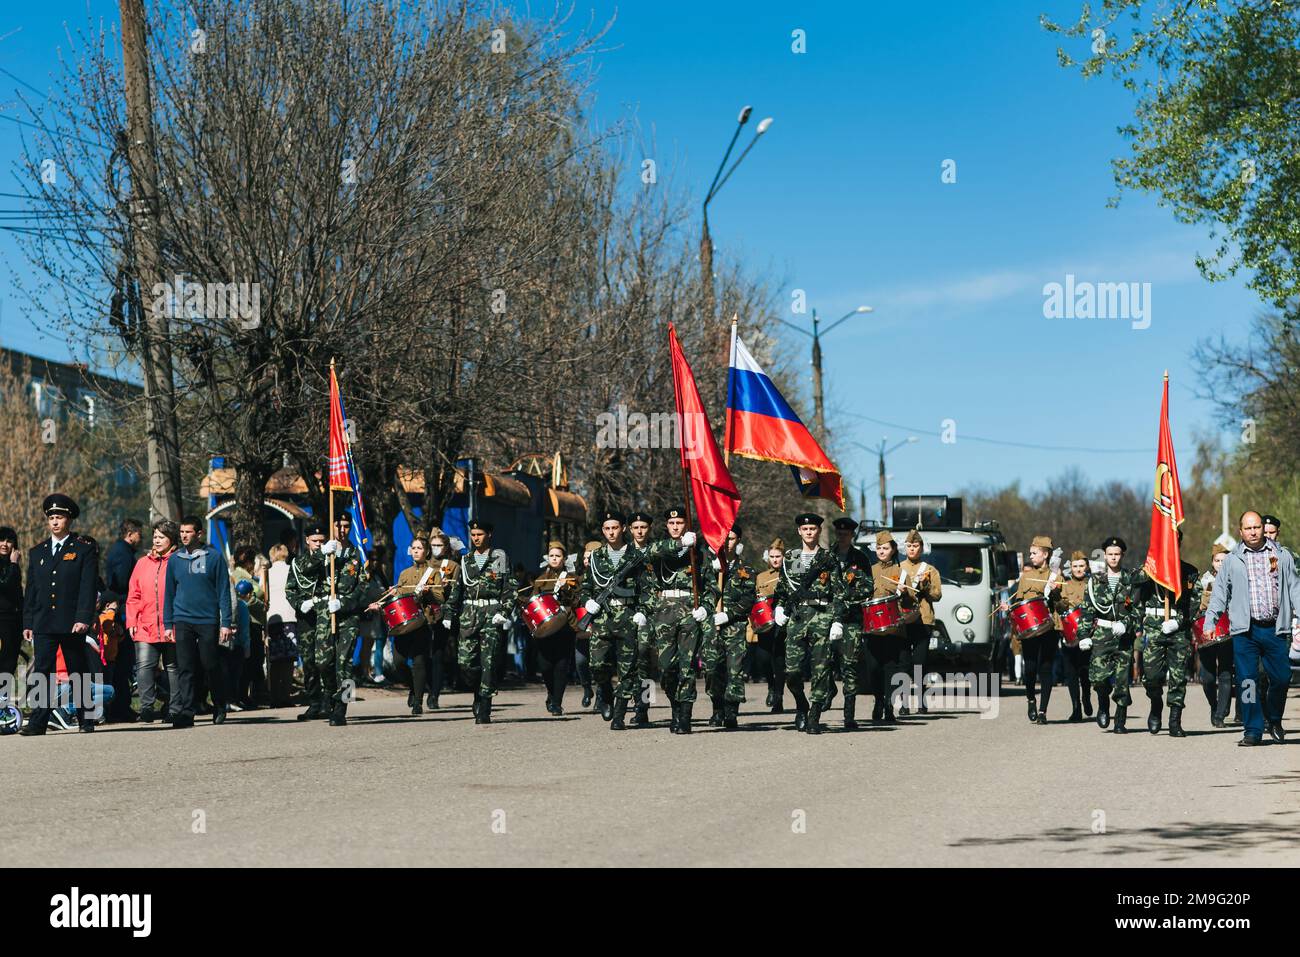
[[1033, 709], [770, 698], [474, 707], [641, 718], [1176, 722], [617, 714], [315, 711], [715, 719], [1087, 700], [1121, 715], [684, 717], [800, 709], [1157, 712], [778, 703], [878, 712], [339, 715], [730, 712], [675, 726], [813, 723], [1103, 712], [586, 696], [850, 713], [484, 715]]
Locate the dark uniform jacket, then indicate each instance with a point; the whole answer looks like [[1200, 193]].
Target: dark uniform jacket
[[61, 591]]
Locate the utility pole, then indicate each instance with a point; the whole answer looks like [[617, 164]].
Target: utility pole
[[156, 355]]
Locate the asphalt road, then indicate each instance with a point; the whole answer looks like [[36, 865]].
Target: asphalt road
[[947, 788]]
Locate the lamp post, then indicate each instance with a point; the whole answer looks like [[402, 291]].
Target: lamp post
[[819, 409], [719, 180], [881, 451]]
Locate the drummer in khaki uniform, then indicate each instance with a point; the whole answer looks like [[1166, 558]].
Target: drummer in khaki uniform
[[1069, 596], [882, 652], [1039, 580], [414, 645], [442, 559], [771, 644], [556, 649], [922, 589]]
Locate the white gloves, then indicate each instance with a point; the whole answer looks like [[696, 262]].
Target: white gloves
[[500, 619], [639, 620], [306, 606], [1085, 644], [717, 565], [335, 605], [780, 615], [446, 623], [720, 618], [592, 607], [332, 547], [505, 623], [1169, 627], [1047, 589], [836, 630], [1117, 628], [699, 614], [687, 539]]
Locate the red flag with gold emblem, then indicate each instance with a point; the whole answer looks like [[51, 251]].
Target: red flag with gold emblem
[[1163, 563]]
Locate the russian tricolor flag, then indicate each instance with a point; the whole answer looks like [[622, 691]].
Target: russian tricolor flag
[[761, 425]]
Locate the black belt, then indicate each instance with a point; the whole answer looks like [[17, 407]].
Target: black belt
[[1264, 622]]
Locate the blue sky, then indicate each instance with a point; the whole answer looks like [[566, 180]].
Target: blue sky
[[843, 199]]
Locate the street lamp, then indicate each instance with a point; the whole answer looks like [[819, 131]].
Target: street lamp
[[815, 335], [719, 180], [881, 451]]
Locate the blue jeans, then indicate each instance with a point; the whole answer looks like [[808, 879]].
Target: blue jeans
[[1261, 646]]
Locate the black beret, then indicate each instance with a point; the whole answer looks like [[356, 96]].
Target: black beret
[[1115, 540], [613, 515], [1273, 520], [480, 524], [736, 528], [677, 511], [59, 504], [808, 518], [845, 524], [640, 517], [313, 528]]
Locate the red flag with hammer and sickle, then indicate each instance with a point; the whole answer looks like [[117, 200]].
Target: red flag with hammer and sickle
[[1163, 562]]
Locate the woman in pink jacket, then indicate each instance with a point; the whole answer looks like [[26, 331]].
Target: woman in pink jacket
[[144, 614]]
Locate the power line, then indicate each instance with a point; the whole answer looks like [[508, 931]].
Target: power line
[[1005, 442]]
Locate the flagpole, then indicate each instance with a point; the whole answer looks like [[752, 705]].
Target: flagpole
[[726, 444], [329, 491]]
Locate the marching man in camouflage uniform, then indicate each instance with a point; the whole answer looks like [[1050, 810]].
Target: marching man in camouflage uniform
[[1167, 644], [812, 587], [1109, 622], [639, 524], [676, 618], [724, 634], [611, 594], [482, 599], [849, 652]]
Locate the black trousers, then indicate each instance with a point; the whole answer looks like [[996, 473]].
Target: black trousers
[[196, 652], [416, 645], [769, 653], [252, 677], [1039, 654], [581, 663], [880, 661], [1216, 677], [11, 640], [44, 669], [913, 654], [554, 652], [1075, 667]]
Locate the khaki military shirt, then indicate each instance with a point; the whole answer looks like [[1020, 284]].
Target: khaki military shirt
[[927, 592]]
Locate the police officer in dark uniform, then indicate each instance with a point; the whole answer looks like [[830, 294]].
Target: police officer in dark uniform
[[58, 611]]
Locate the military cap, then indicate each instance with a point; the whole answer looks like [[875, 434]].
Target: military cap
[[915, 536], [884, 538], [1272, 520], [480, 525], [313, 528], [640, 517], [677, 511], [1078, 556], [613, 515], [777, 544], [844, 524], [736, 528], [555, 544], [590, 547], [807, 518], [1115, 540], [1042, 541], [1218, 549], [59, 504]]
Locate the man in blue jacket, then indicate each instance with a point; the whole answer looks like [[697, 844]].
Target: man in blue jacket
[[1258, 587], [196, 615]]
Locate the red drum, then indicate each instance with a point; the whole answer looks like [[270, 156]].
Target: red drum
[[1070, 626], [1218, 636], [882, 616], [402, 615], [544, 615], [762, 617], [581, 624], [1031, 618]]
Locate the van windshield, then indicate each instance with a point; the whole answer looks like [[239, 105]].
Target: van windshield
[[958, 564]]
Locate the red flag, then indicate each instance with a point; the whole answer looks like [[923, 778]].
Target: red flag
[[717, 502], [339, 476], [1163, 563]]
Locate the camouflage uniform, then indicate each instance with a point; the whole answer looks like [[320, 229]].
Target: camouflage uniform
[[677, 635], [480, 591], [326, 656], [1112, 657], [848, 652], [613, 632], [724, 646], [809, 625], [1165, 657], [646, 657]]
